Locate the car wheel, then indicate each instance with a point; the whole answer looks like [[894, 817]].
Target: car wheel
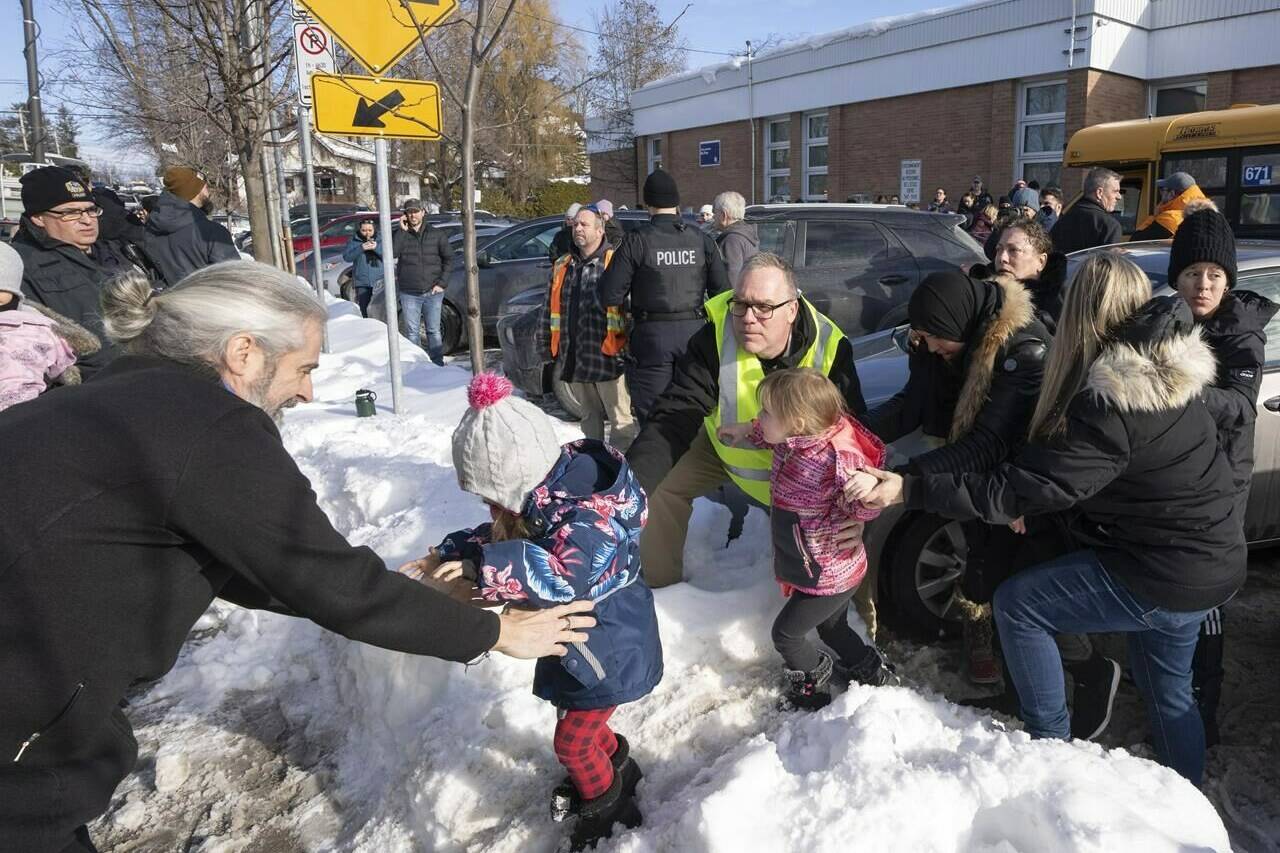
[[927, 566], [451, 329], [565, 397]]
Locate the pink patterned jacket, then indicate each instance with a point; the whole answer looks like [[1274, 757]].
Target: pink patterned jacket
[[809, 507]]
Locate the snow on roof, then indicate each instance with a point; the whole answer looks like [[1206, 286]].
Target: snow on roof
[[867, 29]]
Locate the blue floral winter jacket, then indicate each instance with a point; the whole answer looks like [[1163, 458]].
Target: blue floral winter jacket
[[585, 521]]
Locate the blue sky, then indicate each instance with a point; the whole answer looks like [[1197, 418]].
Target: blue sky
[[711, 25]]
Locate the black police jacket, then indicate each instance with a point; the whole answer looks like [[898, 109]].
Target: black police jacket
[[668, 267]]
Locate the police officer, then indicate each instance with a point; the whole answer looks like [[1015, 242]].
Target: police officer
[[670, 268]]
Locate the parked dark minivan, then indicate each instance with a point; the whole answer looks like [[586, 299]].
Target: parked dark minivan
[[857, 263]]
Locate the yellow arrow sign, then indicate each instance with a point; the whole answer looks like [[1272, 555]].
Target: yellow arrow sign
[[369, 106], [379, 32]]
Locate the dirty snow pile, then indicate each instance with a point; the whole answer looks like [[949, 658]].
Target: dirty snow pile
[[386, 752]]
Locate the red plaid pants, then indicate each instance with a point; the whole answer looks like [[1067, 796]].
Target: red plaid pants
[[584, 743]]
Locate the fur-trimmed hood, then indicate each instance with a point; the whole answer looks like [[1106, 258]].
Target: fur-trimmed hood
[[1157, 361], [1015, 313]]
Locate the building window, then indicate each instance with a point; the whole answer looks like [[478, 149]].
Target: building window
[[1183, 96], [777, 160], [288, 185], [1042, 131], [326, 184], [815, 157], [400, 189], [655, 155]]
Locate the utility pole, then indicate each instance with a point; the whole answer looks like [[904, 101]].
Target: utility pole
[[30, 30]]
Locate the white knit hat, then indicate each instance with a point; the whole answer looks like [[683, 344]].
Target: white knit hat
[[504, 446]]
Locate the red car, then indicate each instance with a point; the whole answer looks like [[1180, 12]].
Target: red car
[[333, 233]]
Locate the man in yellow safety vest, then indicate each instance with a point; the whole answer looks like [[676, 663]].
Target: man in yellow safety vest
[[763, 325]]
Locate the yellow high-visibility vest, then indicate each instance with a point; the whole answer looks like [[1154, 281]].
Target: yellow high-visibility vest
[[740, 376]]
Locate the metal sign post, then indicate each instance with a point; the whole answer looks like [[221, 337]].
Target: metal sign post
[[388, 274], [317, 274]]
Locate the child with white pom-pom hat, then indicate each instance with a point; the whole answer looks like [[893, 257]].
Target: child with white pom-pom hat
[[565, 525]]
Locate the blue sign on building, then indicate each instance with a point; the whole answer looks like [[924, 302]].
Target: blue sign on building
[[709, 153]]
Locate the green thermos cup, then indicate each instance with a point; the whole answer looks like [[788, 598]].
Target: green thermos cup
[[364, 403]]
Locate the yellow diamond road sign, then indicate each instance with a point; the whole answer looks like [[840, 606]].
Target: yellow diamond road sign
[[379, 32], [369, 106]]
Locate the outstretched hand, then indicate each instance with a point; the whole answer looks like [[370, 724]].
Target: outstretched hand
[[886, 491], [420, 570], [1019, 525], [541, 633]]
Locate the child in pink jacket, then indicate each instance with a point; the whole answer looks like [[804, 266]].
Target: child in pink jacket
[[31, 352], [817, 447]]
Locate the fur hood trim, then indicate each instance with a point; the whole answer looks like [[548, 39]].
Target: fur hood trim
[[1160, 376], [1016, 313], [82, 341]]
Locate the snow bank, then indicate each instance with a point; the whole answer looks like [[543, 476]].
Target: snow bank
[[434, 756]]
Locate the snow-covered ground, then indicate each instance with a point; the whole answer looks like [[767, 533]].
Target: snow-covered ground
[[272, 735]]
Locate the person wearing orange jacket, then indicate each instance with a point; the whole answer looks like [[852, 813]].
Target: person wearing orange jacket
[[585, 338], [1176, 192]]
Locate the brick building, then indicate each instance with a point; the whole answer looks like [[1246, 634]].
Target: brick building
[[994, 89]]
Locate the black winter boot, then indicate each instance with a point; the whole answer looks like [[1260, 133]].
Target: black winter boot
[[565, 801], [808, 690], [1096, 681], [597, 817], [873, 670]]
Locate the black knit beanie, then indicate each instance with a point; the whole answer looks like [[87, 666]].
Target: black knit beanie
[[660, 190], [1203, 236], [45, 188], [947, 305]]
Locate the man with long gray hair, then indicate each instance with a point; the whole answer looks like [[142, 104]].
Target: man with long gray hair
[[139, 497], [738, 241]]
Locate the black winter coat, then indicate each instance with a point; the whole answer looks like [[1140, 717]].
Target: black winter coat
[[1140, 460], [64, 279], [1237, 335], [983, 408], [1084, 226], [694, 393], [181, 239], [137, 499], [423, 259], [562, 243]]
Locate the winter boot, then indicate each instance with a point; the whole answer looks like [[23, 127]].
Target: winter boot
[[597, 817], [1096, 681], [565, 801], [808, 690], [873, 670], [980, 659]]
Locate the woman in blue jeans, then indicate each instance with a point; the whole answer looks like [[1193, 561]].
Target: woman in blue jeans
[[1120, 432]]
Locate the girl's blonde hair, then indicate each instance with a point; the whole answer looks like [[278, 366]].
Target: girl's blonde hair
[[804, 399], [507, 526], [1107, 290]]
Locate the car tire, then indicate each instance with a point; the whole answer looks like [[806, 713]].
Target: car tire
[[927, 565], [565, 397], [452, 331]]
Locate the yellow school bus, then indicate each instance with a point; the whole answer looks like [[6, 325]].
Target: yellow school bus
[[1233, 154]]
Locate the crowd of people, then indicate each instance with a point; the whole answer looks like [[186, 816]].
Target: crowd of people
[[1096, 442]]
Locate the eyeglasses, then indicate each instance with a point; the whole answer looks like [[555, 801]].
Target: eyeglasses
[[72, 215], [762, 310]]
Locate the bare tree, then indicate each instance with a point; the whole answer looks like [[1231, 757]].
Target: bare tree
[[635, 48], [191, 81]]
